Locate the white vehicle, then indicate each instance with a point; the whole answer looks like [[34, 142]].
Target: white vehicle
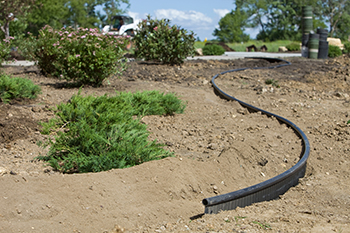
[[121, 25]]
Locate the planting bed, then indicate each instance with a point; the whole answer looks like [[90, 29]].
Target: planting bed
[[219, 147]]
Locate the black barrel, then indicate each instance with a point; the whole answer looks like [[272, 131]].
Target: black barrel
[[322, 49], [304, 45], [305, 39], [313, 45], [307, 25], [323, 34]]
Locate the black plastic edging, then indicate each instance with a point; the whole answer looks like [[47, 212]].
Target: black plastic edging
[[269, 189]]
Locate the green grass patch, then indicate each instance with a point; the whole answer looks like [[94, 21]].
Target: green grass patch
[[241, 47], [271, 46], [17, 88], [94, 134]]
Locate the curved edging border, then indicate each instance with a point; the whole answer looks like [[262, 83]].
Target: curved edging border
[[269, 189]]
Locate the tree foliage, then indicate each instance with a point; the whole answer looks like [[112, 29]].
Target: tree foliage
[[47, 12], [336, 12], [231, 27], [10, 10], [75, 13], [282, 19]]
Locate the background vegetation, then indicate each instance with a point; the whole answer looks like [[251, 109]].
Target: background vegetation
[[241, 47], [281, 20], [275, 20]]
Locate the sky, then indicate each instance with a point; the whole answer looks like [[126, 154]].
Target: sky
[[201, 17]]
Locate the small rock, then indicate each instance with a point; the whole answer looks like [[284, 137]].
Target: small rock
[[36, 109], [243, 111], [199, 52], [282, 49], [13, 173], [3, 171], [263, 162]]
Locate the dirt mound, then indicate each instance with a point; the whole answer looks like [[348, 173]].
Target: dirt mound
[[219, 147]]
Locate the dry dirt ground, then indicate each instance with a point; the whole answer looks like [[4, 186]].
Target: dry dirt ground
[[220, 147]]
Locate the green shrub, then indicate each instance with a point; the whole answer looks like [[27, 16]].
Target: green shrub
[[83, 55], [346, 47], [213, 49], [5, 49], [17, 88], [293, 46], [158, 41], [334, 51], [101, 133]]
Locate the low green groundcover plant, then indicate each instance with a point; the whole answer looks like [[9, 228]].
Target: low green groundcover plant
[[17, 88], [84, 55], [94, 134], [158, 41], [213, 49]]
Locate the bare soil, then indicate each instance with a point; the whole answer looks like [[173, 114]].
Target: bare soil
[[220, 147]]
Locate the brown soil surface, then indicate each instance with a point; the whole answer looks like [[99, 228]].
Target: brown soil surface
[[219, 146]]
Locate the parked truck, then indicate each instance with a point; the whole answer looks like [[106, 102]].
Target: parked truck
[[121, 25]]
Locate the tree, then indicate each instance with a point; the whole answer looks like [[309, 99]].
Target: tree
[[231, 27], [113, 7], [10, 9], [342, 29], [333, 10], [256, 11], [47, 12], [82, 13], [75, 13], [279, 19]]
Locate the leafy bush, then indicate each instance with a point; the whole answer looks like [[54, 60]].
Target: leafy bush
[[83, 55], [293, 46], [346, 47], [334, 51], [101, 133], [17, 88], [213, 49], [5, 49], [158, 41]]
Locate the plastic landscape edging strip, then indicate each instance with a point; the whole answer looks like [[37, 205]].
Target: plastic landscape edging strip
[[269, 189]]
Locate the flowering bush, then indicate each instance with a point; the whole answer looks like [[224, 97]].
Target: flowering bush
[[158, 41], [5, 49], [83, 55]]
